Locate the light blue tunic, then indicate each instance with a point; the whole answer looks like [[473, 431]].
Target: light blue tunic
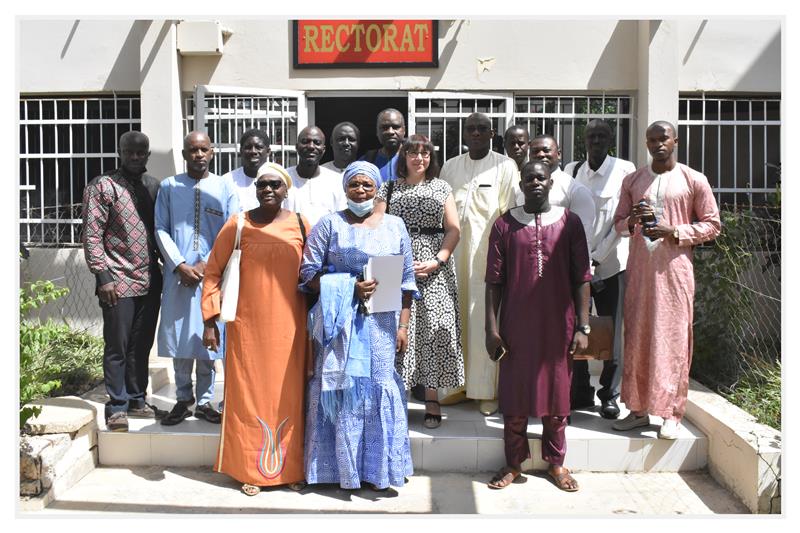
[[189, 214], [368, 443]]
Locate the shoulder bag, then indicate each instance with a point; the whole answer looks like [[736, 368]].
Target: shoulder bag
[[230, 278]]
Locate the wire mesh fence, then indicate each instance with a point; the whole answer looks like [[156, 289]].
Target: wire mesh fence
[[737, 316]]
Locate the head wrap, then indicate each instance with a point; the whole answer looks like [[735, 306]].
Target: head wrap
[[363, 168], [276, 171]]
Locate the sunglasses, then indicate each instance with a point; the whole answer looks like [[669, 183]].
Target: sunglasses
[[272, 184]]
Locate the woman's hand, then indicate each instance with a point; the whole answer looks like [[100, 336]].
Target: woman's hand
[[423, 269], [211, 336], [493, 342], [364, 289], [402, 340]]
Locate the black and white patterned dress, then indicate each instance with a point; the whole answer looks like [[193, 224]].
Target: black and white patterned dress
[[434, 357]]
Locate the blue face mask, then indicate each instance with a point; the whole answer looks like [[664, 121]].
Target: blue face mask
[[361, 209]]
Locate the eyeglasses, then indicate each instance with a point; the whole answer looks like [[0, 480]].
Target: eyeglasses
[[272, 184], [365, 186], [414, 155]]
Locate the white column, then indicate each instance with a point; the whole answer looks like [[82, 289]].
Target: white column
[[658, 79], [161, 98]]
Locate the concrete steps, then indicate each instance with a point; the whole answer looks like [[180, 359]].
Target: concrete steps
[[465, 442]]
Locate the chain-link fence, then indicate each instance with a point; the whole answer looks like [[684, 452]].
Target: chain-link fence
[[737, 317]]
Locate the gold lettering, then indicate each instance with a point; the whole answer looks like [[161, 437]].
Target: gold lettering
[[311, 34], [389, 36], [342, 29], [422, 32], [327, 37], [358, 29], [408, 43], [375, 41]]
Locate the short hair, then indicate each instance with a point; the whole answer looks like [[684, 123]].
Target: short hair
[[417, 142], [254, 132], [390, 110], [346, 123], [599, 123], [132, 137], [309, 128], [515, 127], [545, 136], [534, 163], [664, 125]]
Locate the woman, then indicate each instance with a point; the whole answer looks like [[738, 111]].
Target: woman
[[426, 205], [356, 424], [261, 441]]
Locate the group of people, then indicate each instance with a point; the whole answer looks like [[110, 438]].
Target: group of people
[[502, 257]]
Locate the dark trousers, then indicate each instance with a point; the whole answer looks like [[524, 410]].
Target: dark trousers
[[128, 331], [515, 439], [608, 301]]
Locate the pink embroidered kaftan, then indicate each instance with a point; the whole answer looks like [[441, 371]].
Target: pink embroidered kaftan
[[659, 296]]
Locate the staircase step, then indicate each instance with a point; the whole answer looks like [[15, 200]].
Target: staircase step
[[465, 442]]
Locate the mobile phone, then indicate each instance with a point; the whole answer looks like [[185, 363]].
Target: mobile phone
[[499, 353]]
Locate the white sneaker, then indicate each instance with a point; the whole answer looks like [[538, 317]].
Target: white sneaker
[[669, 429], [631, 421]]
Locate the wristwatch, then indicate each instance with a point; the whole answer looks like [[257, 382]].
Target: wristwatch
[[585, 329], [676, 235]]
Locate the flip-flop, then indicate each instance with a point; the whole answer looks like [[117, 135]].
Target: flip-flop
[[502, 477], [559, 480], [250, 490]]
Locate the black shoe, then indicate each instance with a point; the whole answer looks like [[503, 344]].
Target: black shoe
[[581, 398], [206, 412], [178, 414], [609, 409], [117, 421]]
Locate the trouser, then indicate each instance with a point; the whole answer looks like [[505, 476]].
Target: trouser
[[204, 373], [608, 300], [128, 332], [515, 439]]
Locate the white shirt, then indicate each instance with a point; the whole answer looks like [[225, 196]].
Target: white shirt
[[315, 197], [331, 166], [606, 246], [245, 187]]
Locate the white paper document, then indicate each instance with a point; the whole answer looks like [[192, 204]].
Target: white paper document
[[387, 270]]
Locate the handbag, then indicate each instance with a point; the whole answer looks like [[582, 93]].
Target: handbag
[[601, 339], [230, 278]]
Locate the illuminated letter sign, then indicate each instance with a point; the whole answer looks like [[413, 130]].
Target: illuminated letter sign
[[365, 43]]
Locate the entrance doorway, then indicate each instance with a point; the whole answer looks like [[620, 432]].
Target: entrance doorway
[[361, 111]]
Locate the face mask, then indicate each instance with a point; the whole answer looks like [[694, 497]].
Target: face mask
[[361, 209]]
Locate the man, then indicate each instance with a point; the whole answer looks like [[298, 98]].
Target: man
[[191, 208], [345, 140], [253, 152], [121, 252], [679, 208], [537, 271], [566, 191], [602, 174], [483, 186], [516, 143], [316, 190], [391, 130]]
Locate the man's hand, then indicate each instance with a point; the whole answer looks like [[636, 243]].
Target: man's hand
[[659, 230], [188, 275], [108, 293], [639, 211], [494, 341], [211, 336], [364, 289], [200, 268], [580, 341]]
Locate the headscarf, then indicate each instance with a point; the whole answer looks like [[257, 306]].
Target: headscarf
[[364, 168], [276, 171]]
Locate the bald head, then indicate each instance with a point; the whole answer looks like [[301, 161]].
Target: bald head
[[197, 152], [195, 136]]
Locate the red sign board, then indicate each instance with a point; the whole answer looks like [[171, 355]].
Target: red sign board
[[365, 43]]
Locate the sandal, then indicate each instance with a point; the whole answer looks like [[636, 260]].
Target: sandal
[[505, 477], [297, 486], [250, 490], [562, 479], [432, 421], [206, 412]]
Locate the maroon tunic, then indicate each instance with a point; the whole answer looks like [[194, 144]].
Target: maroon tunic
[[538, 267]]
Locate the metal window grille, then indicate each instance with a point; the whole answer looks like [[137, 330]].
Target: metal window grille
[[441, 115], [64, 142], [226, 113], [565, 117], [736, 142]]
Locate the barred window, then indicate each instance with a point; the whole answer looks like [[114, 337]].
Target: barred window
[[64, 142], [565, 118], [229, 112], [735, 141]]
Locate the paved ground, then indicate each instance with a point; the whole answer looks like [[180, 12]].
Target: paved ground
[[168, 490]]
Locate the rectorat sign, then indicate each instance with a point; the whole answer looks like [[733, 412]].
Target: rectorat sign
[[365, 43]]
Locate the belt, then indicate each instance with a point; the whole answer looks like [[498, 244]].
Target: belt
[[416, 230]]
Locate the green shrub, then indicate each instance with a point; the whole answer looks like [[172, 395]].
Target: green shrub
[[759, 391]]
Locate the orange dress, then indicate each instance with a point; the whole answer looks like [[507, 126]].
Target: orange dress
[[261, 439]]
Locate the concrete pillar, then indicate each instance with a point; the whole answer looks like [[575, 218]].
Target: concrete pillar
[[162, 118], [658, 79]]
